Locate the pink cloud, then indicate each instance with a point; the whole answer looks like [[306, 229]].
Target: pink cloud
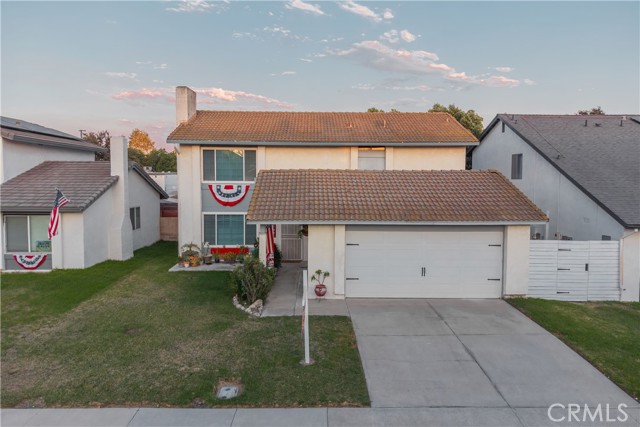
[[141, 94]]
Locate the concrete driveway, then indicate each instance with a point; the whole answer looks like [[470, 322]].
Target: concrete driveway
[[474, 354]]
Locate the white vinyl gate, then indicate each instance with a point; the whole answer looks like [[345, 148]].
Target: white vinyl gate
[[574, 270]]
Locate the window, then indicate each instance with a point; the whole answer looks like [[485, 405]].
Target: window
[[605, 237], [134, 215], [230, 230], [371, 158], [229, 165], [516, 166], [27, 233]]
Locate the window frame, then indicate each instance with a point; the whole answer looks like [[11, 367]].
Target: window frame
[[29, 248], [136, 219], [215, 156], [244, 229], [517, 165]]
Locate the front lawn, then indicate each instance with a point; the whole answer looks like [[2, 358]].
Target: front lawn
[[130, 333], [605, 333]]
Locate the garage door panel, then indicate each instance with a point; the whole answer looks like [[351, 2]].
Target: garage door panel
[[424, 262]]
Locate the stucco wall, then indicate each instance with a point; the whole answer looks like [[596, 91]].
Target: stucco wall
[[322, 256], [71, 241], [571, 212], [630, 266], [515, 275], [95, 225], [190, 198], [426, 158], [308, 158], [142, 195], [19, 157]]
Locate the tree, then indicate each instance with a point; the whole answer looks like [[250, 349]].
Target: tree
[[101, 139], [137, 156], [595, 111], [140, 141], [162, 161], [469, 119], [375, 110]]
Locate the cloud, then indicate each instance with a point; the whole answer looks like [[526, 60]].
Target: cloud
[[284, 33], [153, 65], [407, 36], [305, 60], [126, 121], [210, 95], [377, 55], [364, 11], [284, 73], [307, 7], [160, 67], [369, 86], [144, 93], [528, 82], [246, 35], [502, 69], [390, 36], [120, 75], [196, 6]]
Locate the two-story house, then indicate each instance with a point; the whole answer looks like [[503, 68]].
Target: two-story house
[[389, 209]]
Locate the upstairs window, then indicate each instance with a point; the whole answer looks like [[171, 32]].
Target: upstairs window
[[516, 166], [229, 165], [371, 158]]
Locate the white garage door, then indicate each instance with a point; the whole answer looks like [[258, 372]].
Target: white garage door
[[423, 262]]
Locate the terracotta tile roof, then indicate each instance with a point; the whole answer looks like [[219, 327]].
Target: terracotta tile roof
[[315, 127], [82, 182], [389, 196]]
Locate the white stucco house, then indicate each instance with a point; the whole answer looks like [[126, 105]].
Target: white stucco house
[[389, 209], [114, 209], [25, 145], [582, 171]]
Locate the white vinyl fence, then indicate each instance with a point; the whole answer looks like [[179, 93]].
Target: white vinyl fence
[[574, 270]]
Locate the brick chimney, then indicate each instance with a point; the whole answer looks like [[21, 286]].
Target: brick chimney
[[120, 230], [185, 104]]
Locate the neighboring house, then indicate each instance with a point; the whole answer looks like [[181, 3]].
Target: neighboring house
[[389, 209], [583, 171], [25, 145], [168, 181], [114, 209]]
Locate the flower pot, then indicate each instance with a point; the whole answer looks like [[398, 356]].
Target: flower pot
[[320, 290], [185, 264]]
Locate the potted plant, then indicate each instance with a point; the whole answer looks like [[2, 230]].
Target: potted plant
[[180, 262], [229, 257], [206, 253], [190, 254], [216, 256], [320, 276], [303, 232]]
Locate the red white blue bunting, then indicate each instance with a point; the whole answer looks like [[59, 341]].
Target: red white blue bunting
[[30, 262], [228, 194]]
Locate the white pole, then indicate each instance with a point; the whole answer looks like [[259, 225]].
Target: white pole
[[305, 302]]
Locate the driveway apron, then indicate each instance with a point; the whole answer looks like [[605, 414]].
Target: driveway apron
[[472, 354]]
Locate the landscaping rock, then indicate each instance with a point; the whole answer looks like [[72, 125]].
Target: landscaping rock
[[254, 309]]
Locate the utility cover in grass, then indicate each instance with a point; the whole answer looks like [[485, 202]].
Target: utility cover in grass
[[228, 390]]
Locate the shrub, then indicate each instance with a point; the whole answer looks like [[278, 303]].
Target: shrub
[[252, 280], [277, 256]]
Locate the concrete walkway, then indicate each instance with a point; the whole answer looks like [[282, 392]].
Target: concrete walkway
[[285, 298]]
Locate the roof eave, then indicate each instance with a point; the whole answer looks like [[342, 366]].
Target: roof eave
[[53, 141], [323, 144], [398, 222]]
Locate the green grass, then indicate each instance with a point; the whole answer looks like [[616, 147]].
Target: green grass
[[130, 333], [605, 333]]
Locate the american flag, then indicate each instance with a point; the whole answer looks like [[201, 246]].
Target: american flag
[[54, 218]]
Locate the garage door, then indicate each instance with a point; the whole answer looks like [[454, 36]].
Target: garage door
[[423, 262]]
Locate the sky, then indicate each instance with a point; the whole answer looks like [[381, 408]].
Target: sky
[[114, 65]]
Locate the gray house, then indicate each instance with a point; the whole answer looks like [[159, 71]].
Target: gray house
[[582, 171]]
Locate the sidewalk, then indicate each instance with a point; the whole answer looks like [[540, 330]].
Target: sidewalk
[[294, 417]]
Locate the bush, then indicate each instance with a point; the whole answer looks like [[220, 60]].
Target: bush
[[277, 256], [252, 280]]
